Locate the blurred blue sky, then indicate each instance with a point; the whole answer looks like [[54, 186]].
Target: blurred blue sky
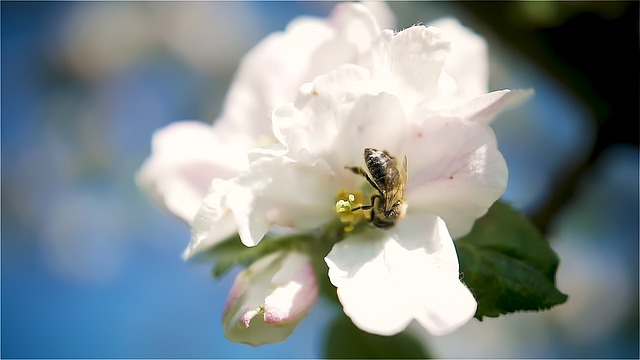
[[90, 268]]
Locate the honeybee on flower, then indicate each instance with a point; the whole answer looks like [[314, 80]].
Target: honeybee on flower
[[389, 180], [404, 95]]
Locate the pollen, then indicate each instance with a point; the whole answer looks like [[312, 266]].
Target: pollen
[[347, 200], [264, 141]]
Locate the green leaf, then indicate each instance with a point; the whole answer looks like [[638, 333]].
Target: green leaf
[[346, 341], [229, 253], [508, 265]]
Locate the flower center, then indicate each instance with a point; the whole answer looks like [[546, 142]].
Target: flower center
[[348, 200]]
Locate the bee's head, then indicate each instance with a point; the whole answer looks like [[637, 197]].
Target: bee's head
[[382, 222]]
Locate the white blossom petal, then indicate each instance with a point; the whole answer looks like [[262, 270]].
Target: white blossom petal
[[271, 73], [214, 222], [356, 24], [334, 118], [281, 287], [275, 192], [376, 121], [385, 18], [319, 120], [185, 157], [385, 279], [280, 191], [468, 63], [485, 108], [456, 171], [354, 29], [409, 63]]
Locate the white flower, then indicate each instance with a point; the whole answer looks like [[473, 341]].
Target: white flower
[[269, 299], [400, 100], [186, 156]]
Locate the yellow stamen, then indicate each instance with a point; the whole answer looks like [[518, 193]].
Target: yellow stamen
[[348, 200]]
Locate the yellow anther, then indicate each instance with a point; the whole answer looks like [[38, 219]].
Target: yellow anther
[[343, 206], [348, 200]]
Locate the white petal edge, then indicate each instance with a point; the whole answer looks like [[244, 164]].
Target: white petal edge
[[409, 63], [319, 121], [486, 107], [456, 171], [386, 279], [270, 74], [281, 191], [355, 24], [213, 222], [384, 16], [468, 63], [185, 157]]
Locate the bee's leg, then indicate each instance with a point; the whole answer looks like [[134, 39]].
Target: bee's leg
[[360, 171], [367, 207], [370, 206]]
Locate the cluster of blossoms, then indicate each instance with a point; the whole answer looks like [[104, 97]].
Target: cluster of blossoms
[[303, 106]]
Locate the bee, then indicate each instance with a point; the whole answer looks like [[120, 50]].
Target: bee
[[389, 180]]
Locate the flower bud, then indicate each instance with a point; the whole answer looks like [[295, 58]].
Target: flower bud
[[270, 298]]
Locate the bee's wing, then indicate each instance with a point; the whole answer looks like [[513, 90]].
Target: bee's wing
[[395, 183], [403, 175]]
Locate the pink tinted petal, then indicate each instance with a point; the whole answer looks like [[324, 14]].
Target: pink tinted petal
[[237, 289], [245, 318], [296, 290], [270, 74], [270, 298], [385, 279], [185, 157], [455, 171]]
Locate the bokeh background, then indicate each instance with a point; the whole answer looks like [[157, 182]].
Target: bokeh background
[[90, 268]]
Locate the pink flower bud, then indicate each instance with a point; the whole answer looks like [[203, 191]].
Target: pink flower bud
[[269, 299]]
